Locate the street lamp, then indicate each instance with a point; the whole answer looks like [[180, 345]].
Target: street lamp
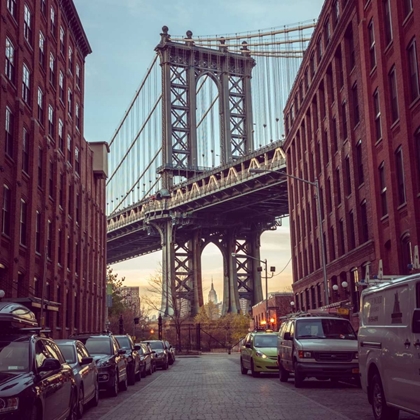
[[318, 208], [292, 306], [272, 269]]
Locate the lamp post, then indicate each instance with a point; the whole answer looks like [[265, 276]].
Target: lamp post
[[318, 208], [272, 269]]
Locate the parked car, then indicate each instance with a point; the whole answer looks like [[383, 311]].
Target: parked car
[[161, 354], [389, 347], [85, 372], [171, 352], [134, 365], [147, 359], [36, 382], [317, 345], [110, 360], [259, 353], [152, 355]]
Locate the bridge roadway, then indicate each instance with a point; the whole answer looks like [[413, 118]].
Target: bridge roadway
[[211, 387], [226, 196]]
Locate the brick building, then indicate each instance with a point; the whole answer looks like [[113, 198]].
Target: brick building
[[353, 122], [52, 182], [278, 305]]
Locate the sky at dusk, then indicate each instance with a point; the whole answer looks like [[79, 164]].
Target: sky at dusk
[[123, 35]]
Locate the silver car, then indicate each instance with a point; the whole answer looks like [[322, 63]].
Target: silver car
[[85, 372]]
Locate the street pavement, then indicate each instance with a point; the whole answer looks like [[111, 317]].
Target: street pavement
[[211, 387]]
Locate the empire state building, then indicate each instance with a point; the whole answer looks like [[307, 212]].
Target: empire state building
[[212, 294]]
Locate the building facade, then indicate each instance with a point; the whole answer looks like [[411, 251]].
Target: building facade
[[131, 298], [52, 182], [268, 313], [353, 123]]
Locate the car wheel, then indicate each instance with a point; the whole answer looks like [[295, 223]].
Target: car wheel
[[165, 366], [244, 371], [124, 383], [35, 412], [138, 375], [299, 378], [113, 391], [253, 371], [283, 373], [380, 409], [80, 403], [95, 400], [74, 409], [143, 371], [150, 371], [131, 376]]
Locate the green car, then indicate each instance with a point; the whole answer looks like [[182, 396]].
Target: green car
[[259, 353]]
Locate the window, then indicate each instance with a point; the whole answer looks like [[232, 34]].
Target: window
[[364, 227], [336, 12], [12, 8], [328, 196], [60, 247], [325, 147], [23, 223], [10, 61], [351, 232], [26, 87], [339, 68], [344, 119], [41, 49], [78, 76], [382, 187], [312, 65], [51, 180], [9, 131], [38, 232], [40, 166], [61, 87], [417, 143], [348, 176], [359, 162], [52, 69], [6, 211], [52, 21], [40, 106], [399, 164], [327, 33], [387, 21], [413, 70], [356, 113], [338, 185], [77, 160], [51, 128], [372, 51], [69, 148], [319, 50], [378, 127], [392, 78], [62, 51], [49, 239], [60, 135], [77, 116], [350, 47], [43, 7], [408, 7], [61, 195], [27, 21], [70, 59], [25, 151], [69, 102], [341, 244]]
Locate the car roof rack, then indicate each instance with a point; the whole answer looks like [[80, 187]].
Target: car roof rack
[[78, 336]]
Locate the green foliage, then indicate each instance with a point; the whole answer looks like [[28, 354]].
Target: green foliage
[[118, 306]]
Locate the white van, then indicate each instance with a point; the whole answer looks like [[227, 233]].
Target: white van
[[389, 346]]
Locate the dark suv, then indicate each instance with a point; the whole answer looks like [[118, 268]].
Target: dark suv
[[35, 380], [134, 366], [110, 359], [161, 354]]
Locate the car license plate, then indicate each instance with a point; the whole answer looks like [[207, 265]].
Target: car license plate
[[355, 370]]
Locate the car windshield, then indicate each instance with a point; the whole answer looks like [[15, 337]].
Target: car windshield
[[265, 341], [124, 342], [325, 328], [156, 345], [68, 352], [98, 346], [14, 356]]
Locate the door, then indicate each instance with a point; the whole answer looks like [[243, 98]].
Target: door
[[87, 372], [246, 352], [120, 360]]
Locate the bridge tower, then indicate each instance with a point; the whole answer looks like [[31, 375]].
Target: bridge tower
[[183, 64]]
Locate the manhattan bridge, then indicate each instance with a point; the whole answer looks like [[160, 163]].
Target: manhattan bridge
[[207, 112]]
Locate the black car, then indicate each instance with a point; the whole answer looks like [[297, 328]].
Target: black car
[[35, 381], [110, 360], [134, 365], [147, 359], [161, 354]]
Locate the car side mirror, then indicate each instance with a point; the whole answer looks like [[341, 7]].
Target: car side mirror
[[137, 347], [50, 364], [287, 336], [121, 351], [415, 325], [86, 360]]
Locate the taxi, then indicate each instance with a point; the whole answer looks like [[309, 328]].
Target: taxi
[[259, 353]]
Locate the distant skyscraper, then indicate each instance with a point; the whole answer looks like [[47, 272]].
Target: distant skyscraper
[[212, 293]]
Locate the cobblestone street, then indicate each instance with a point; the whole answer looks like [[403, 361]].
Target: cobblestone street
[[211, 387]]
